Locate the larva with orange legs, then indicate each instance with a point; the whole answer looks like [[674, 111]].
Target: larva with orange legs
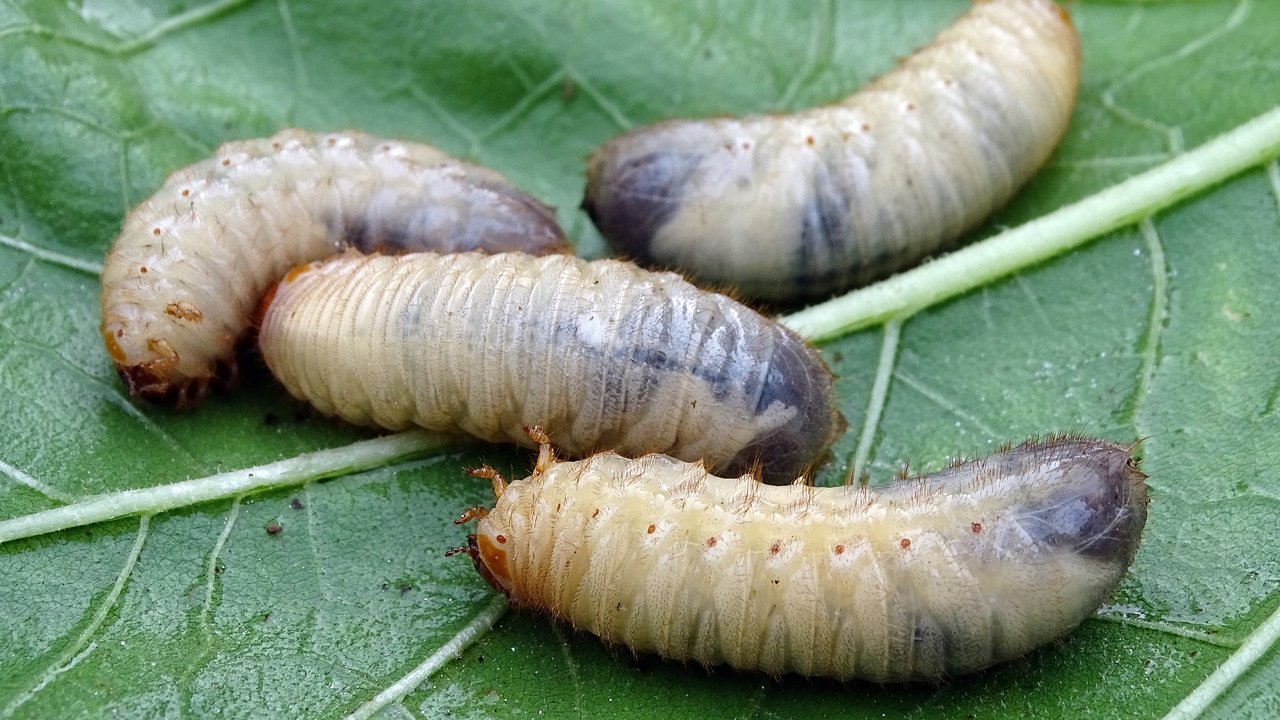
[[796, 206], [181, 283], [919, 579], [602, 354]]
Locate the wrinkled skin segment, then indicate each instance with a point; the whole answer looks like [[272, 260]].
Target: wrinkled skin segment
[[181, 282], [917, 580], [801, 206], [600, 354]]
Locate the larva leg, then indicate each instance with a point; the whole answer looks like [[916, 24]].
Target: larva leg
[[546, 455], [472, 513], [495, 479]]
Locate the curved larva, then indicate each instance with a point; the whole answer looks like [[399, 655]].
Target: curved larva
[[804, 205], [916, 580], [602, 354], [186, 272]]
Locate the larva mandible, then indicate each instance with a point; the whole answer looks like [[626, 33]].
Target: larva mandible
[[191, 262], [602, 354], [801, 206], [915, 580]]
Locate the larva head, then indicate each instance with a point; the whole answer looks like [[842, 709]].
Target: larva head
[[488, 545], [488, 550], [155, 372]]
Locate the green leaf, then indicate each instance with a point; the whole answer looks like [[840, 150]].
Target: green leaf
[[1158, 330]]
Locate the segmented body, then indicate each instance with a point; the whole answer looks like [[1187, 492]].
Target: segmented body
[[602, 354], [916, 580], [803, 205], [191, 262]]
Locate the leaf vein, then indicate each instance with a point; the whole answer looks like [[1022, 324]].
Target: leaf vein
[[1173, 134], [176, 23], [879, 392], [472, 631], [1168, 628], [570, 664], [1254, 647], [22, 478], [83, 645], [1149, 346], [821, 40], [52, 257], [295, 47], [941, 401]]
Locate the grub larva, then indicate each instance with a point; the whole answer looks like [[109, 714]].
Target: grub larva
[[794, 206], [181, 282], [602, 354], [919, 579]]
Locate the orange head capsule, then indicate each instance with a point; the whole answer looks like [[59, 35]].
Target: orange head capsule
[[490, 557]]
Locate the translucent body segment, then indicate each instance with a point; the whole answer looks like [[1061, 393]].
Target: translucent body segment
[[804, 205], [601, 354], [187, 270]]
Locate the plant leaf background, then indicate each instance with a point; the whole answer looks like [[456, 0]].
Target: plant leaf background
[[1165, 331]]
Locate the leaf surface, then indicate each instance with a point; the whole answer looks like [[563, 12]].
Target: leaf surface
[[1164, 330]]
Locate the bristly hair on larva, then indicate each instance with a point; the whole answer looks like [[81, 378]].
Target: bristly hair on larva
[[801, 206], [601, 354], [190, 263], [916, 580]]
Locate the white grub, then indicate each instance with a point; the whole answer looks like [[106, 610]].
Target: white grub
[[786, 207], [186, 272], [602, 354], [917, 580]]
